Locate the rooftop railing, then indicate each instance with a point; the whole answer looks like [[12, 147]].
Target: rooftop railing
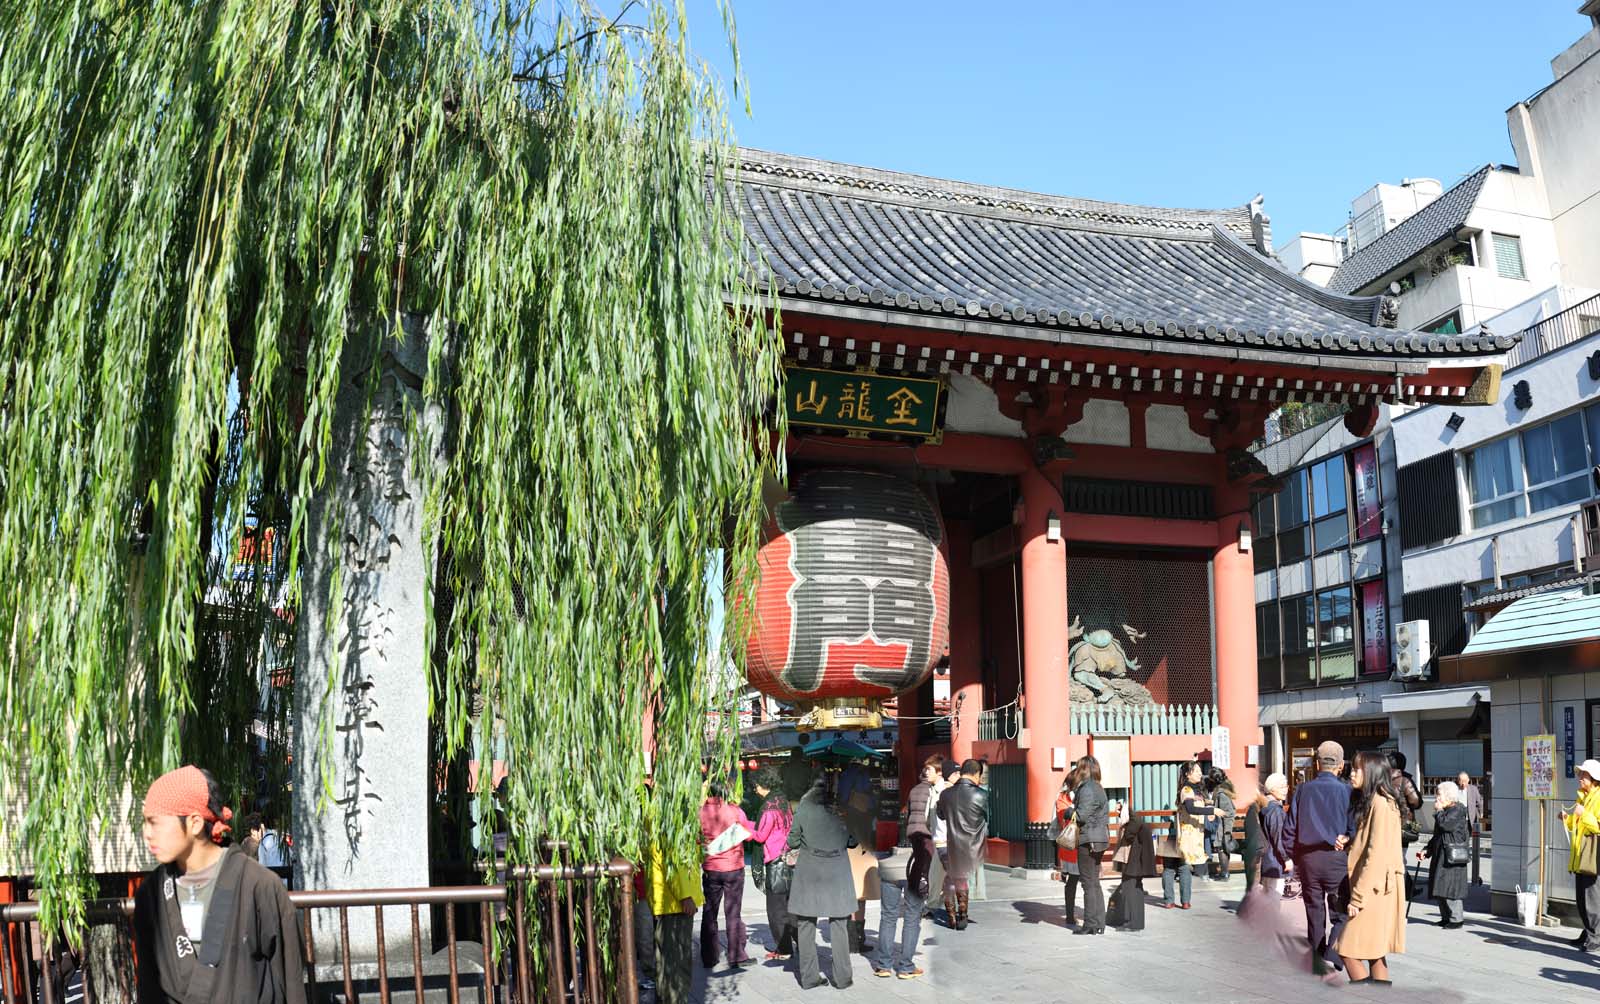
[[1556, 331]]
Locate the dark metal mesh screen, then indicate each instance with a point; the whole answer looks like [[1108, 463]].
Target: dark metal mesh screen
[[1164, 598]]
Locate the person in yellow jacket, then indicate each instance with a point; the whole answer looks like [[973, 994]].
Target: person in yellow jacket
[[674, 893], [1583, 820]]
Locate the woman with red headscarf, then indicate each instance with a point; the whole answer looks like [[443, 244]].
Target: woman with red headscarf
[[211, 924]]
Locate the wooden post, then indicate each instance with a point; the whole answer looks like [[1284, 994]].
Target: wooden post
[[1544, 806]]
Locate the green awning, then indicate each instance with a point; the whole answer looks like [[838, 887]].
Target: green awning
[[1554, 632], [1557, 618]]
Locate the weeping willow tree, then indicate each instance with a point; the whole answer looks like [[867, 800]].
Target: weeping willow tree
[[203, 205]]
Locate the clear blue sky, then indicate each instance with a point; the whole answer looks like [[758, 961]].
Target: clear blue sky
[[1163, 103]]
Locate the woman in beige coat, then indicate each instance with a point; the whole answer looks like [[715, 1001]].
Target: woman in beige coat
[[1377, 927]]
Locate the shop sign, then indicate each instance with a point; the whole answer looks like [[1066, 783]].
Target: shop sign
[[862, 402], [1369, 507], [1569, 742], [1374, 627], [1538, 767]]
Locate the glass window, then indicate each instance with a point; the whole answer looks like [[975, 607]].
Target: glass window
[[1508, 257], [1592, 413], [1265, 544], [1557, 463], [1299, 641], [1494, 480], [1328, 487], [1292, 502], [1336, 635], [1293, 511], [1268, 666]]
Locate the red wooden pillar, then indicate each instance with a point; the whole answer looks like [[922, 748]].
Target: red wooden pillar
[[966, 643], [1044, 644], [1234, 586]]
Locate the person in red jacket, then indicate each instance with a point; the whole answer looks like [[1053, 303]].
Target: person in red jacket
[[724, 827]]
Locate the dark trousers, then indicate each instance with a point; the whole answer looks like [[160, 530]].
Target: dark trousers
[[1094, 894], [1325, 888], [1132, 892], [921, 863], [806, 950], [1072, 895], [780, 923], [1588, 896], [724, 889], [674, 958]]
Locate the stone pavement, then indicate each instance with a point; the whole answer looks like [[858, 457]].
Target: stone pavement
[[1017, 950]]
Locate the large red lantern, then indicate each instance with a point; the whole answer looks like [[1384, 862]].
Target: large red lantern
[[853, 600]]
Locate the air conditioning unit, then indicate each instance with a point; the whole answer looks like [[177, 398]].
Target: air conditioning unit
[[1411, 650]]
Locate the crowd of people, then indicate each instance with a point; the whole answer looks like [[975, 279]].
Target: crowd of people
[[1339, 847]]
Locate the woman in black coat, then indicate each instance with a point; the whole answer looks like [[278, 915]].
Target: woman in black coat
[[1447, 882], [1140, 864], [1091, 810]]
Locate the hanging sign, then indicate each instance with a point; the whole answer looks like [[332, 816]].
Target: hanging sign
[[1369, 507], [1220, 757], [862, 402], [1569, 741], [1538, 767], [1374, 628]]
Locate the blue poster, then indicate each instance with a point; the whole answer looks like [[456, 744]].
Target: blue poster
[[1568, 739]]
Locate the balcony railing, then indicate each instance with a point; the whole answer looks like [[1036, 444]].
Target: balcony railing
[[1558, 330], [1149, 720]]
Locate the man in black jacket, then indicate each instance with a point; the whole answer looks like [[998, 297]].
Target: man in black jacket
[[964, 807]]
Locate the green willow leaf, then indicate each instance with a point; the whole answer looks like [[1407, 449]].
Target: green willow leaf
[[202, 205]]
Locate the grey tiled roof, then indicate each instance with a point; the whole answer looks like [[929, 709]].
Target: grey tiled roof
[[1414, 235], [820, 231]]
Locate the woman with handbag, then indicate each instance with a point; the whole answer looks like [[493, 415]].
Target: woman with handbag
[[772, 833], [1451, 852], [1067, 845], [1090, 811], [1583, 826], [1186, 848]]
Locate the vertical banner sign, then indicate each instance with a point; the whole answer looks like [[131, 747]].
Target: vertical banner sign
[[1369, 508], [1220, 757], [1374, 627], [1569, 741], [1538, 767]]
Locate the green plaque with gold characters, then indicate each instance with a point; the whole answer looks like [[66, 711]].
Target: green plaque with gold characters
[[863, 402]]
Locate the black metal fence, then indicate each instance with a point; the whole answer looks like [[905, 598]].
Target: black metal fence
[[1576, 322], [584, 959]]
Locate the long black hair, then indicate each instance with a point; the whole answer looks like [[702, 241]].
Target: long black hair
[[1183, 779], [1374, 780]]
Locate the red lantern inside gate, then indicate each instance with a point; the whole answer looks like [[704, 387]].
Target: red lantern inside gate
[[853, 600]]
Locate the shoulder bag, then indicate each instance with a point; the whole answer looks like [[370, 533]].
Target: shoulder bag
[[780, 875], [1067, 839], [1588, 855], [1460, 854]]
